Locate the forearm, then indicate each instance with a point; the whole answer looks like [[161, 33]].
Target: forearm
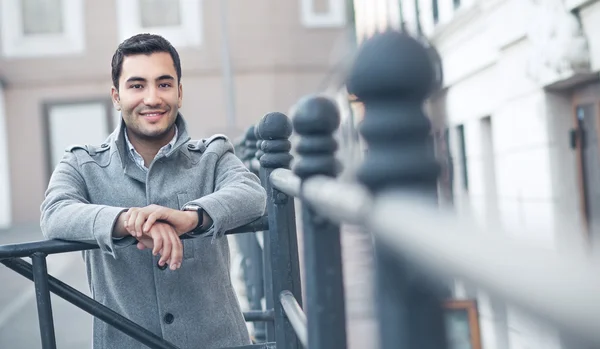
[[238, 198], [226, 211], [76, 221]]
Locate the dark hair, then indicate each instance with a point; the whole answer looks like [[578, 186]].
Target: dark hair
[[142, 44]]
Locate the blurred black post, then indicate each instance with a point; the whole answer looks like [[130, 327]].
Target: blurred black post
[[315, 121], [44, 305], [250, 249], [392, 76], [274, 130]]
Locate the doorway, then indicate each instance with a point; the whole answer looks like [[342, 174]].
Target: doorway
[[584, 139], [75, 122]]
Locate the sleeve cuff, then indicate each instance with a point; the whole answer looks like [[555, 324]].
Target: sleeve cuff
[[217, 213], [103, 227]]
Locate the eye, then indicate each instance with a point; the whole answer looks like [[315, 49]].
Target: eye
[[164, 85], [136, 86]]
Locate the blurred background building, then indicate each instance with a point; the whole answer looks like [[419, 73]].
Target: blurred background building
[[240, 60], [520, 103]]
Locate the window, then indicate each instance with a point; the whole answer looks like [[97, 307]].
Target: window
[[435, 11], [65, 126], [456, 4], [323, 13], [160, 13], [41, 17], [179, 21], [32, 28]]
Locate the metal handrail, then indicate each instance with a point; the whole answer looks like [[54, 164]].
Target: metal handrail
[[10, 256], [61, 246], [536, 279], [295, 315]]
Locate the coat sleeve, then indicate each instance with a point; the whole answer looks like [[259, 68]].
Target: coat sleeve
[[67, 214], [238, 198]]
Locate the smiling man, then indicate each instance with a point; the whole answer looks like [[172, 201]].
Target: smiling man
[[138, 192]]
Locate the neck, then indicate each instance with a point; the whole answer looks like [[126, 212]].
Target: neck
[[149, 147]]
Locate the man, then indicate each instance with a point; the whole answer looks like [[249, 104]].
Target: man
[[146, 185]]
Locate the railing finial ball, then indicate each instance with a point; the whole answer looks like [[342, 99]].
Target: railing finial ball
[[274, 126], [392, 77], [315, 120], [391, 63], [273, 131]]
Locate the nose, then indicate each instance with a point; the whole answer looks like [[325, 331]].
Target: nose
[[152, 98]]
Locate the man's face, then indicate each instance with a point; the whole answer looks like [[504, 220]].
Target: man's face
[[149, 95]]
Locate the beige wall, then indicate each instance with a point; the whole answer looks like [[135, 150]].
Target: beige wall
[[275, 61]]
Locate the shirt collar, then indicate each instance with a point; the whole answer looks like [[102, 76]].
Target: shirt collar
[[165, 149]]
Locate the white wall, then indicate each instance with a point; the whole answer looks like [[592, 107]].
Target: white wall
[[590, 19], [5, 204], [486, 74]]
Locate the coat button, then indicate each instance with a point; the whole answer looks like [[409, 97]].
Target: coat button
[[104, 145], [169, 318], [191, 146], [161, 267]]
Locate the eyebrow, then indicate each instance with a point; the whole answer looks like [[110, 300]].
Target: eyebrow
[[141, 79]]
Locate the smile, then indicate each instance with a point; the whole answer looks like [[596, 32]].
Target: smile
[[153, 116]]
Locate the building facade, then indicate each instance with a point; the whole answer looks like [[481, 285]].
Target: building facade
[[55, 72], [521, 104]]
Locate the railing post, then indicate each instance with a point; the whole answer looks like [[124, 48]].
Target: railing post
[[251, 250], [266, 250], [315, 121], [44, 304], [274, 129], [392, 76]]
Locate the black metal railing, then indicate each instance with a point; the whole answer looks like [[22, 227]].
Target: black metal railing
[[11, 256], [394, 198]]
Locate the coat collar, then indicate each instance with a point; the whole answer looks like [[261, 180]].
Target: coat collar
[[129, 166]]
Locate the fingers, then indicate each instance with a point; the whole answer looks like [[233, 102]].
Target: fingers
[[133, 220], [164, 241], [167, 246], [138, 222], [176, 251], [157, 239], [152, 218], [127, 217]]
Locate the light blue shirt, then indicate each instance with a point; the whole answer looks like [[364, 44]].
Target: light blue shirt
[[137, 158]]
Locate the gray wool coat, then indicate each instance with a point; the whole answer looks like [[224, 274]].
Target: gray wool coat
[[192, 307]]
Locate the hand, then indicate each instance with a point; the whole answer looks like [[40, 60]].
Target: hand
[[164, 240], [139, 220]]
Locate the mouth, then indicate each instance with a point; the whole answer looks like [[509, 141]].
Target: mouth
[[153, 116]]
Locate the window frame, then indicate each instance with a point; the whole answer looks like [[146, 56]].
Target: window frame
[[334, 18], [188, 34], [15, 44]]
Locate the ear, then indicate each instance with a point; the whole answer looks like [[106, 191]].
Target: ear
[[180, 98], [116, 100]]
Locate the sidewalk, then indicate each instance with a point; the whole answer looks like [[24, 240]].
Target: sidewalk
[[19, 326]]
